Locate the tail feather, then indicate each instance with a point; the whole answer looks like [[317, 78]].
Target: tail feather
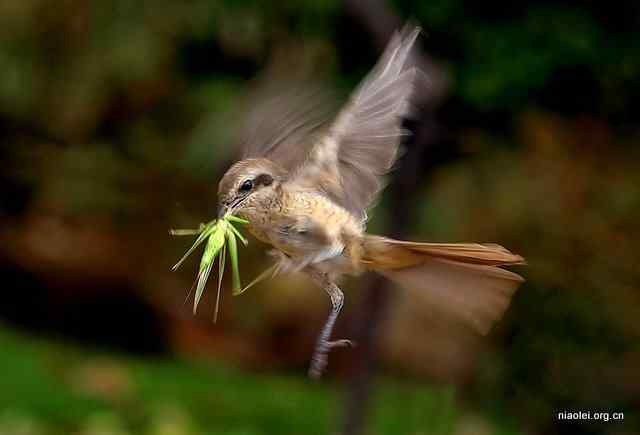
[[474, 253], [462, 281]]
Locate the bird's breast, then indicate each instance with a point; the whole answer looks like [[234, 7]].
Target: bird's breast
[[303, 223]]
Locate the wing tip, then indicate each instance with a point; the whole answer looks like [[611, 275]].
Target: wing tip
[[410, 31]]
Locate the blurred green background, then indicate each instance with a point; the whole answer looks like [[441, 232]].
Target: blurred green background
[[116, 119]]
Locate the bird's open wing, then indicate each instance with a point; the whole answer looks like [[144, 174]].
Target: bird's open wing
[[283, 120], [349, 162]]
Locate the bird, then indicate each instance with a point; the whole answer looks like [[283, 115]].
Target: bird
[[306, 188]]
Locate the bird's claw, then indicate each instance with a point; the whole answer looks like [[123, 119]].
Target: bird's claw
[[320, 357], [341, 343]]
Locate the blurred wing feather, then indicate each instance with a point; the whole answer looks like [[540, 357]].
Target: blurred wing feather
[[350, 161], [283, 122]]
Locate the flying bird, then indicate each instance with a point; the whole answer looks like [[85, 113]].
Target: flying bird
[[305, 186]]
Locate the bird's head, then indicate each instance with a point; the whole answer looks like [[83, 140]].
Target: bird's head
[[245, 183]]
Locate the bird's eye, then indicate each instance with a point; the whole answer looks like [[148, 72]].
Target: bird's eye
[[246, 186]]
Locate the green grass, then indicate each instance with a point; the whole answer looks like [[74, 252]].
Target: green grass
[[49, 388]]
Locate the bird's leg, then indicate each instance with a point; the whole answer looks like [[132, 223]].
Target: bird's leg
[[286, 264], [323, 344], [283, 262]]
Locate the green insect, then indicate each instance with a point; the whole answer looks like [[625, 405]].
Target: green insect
[[222, 236]]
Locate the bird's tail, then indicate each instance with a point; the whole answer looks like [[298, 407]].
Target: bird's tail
[[462, 280]]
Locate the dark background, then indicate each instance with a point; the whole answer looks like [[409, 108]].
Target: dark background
[[116, 122]]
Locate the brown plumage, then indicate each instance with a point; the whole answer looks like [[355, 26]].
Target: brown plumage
[[305, 185], [461, 280]]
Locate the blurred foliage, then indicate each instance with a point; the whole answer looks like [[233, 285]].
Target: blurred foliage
[[571, 338], [506, 57], [57, 389], [116, 119]]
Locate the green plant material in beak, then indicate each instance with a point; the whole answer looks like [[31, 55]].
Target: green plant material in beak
[[222, 237]]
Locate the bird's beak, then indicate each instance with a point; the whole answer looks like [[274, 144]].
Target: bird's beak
[[222, 211]]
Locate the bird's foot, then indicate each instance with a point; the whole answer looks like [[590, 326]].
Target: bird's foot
[[321, 355], [341, 343]]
